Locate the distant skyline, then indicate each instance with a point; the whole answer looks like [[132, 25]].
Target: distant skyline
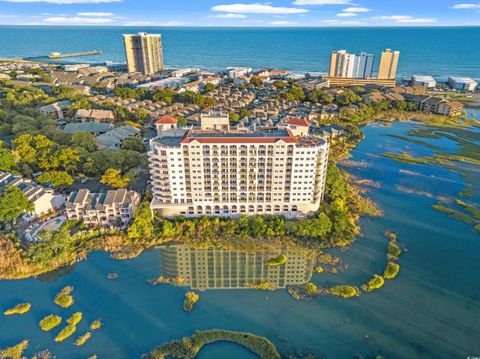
[[274, 13]]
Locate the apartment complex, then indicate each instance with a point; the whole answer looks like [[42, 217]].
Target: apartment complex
[[343, 64], [41, 198], [437, 105], [113, 208], [143, 52], [198, 172], [222, 269], [388, 64]]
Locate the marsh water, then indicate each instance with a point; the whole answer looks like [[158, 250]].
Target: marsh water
[[431, 310]]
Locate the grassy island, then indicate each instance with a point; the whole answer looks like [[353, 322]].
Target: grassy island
[[15, 351], [344, 291], [375, 283], [391, 270], [64, 297], [190, 299], [49, 322], [18, 309], [83, 339], [75, 318], [277, 261], [65, 333], [189, 347], [96, 324]]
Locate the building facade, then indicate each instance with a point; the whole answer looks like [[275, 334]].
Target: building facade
[[343, 64], [143, 52], [228, 173], [223, 269], [113, 208], [388, 64]]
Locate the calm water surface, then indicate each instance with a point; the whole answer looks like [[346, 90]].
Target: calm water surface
[[431, 51], [431, 310]]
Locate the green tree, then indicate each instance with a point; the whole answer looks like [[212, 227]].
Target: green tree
[[164, 95], [348, 97], [56, 178], [68, 159], [84, 140], [7, 160], [280, 84], [141, 115], [233, 117], [256, 81], [113, 178], [208, 87], [142, 225], [134, 144], [13, 202], [319, 96]]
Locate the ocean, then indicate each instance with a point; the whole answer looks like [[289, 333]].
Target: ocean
[[438, 51]]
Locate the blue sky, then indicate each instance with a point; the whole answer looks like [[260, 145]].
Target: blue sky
[[241, 13]]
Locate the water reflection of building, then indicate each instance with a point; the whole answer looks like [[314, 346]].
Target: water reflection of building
[[208, 269]]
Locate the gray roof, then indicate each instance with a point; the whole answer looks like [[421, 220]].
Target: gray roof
[[113, 138], [92, 127]]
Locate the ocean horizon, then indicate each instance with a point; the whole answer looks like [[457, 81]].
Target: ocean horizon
[[434, 51]]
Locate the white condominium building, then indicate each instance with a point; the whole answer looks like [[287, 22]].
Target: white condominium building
[[198, 172], [113, 208]]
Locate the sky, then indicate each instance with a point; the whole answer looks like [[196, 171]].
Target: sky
[[274, 13]]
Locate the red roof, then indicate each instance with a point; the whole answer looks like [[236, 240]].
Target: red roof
[[297, 121], [165, 120]]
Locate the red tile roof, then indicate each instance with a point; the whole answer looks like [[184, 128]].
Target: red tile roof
[[165, 120], [297, 121]]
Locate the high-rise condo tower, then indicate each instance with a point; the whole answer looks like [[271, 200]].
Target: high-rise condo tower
[[144, 52]]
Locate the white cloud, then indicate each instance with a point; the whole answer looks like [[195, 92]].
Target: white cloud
[[283, 23], [64, 20], [405, 19], [140, 23], [64, 1], [342, 22], [356, 9], [346, 14], [322, 2], [230, 16], [257, 8], [466, 6], [99, 14], [172, 23]]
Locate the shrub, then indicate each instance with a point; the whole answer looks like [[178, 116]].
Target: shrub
[[83, 339], [344, 291], [319, 269], [190, 299], [391, 270], [310, 288], [277, 261], [64, 298], [18, 309], [374, 283], [49, 322], [65, 333]]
